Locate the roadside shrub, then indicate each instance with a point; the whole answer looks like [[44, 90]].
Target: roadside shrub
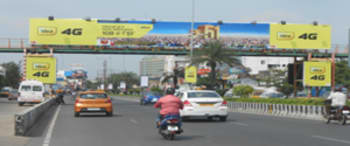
[[290, 101], [243, 91]]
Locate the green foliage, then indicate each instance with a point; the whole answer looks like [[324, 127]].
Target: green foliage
[[13, 75], [285, 88], [156, 89], [91, 85], [342, 74], [290, 101], [243, 90], [129, 78], [214, 53]]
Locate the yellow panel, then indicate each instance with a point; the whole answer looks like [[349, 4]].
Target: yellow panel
[[300, 36], [317, 74], [41, 68], [191, 74]]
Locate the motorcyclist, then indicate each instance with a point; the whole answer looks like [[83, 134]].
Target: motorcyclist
[[169, 105], [338, 99]]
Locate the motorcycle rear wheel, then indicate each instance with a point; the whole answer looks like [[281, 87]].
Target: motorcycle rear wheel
[[343, 120]]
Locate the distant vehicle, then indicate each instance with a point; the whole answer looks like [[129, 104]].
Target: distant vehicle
[[31, 91], [13, 95], [149, 97], [5, 92], [93, 101], [272, 95], [230, 94], [203, 103]]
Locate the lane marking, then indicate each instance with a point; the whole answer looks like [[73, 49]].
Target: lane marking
[[134, 121], [331, 139], [52, 125], [239, 124]]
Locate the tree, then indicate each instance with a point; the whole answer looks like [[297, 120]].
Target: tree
[[129, 78], [243, 91], [13, 75], [342, 74], [285, 88], [214, 53]]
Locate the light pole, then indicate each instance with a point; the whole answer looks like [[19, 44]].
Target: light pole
[[192, 27]]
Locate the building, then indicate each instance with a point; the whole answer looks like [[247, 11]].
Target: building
[[157, 66], [257, 64]]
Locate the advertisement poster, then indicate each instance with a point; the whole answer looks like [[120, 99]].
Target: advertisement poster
[[41, 68]]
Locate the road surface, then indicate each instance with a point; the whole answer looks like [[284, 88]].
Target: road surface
[[133, 125]]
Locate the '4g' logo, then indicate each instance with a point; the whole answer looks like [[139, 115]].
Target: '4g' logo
[[308, 36], [73, 31]]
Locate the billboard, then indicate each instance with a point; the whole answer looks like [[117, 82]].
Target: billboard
[[172, 35], [306, 36], [317, 74], [191, 74], [41, 68]]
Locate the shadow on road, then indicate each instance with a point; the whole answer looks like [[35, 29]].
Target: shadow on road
[[98, 116], [187, 137]]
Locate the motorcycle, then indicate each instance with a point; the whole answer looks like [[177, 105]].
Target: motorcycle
[[336, 114], [170, 126]]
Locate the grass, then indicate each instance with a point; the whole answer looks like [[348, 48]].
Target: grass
[[290, 101]]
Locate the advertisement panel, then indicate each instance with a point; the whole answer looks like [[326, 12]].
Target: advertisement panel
[[191, 74], [303, 36], [317, 74], [41, 68], [173, 35]]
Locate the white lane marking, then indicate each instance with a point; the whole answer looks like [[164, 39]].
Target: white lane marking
[[134, 121], [331, 139], [239, 124], [52, 125]]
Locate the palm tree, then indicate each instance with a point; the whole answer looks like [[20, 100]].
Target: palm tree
[[214, 53]]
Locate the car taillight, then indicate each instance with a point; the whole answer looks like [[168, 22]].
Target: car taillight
[[77, 101], [108, 101], [187, 103], [173, 121], [224, 102]]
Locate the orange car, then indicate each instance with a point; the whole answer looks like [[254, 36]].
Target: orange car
[[93, 101]]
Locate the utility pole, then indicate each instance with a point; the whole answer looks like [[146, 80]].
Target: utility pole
[[349, 49], [105, 75]]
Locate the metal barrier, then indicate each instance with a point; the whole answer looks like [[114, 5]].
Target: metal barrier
[[281, 110]]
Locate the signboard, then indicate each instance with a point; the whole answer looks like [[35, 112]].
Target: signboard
[[122, 85], [191, 74], [317, 74], [41, 68], [144, 81], [303, 36], [170, 34]]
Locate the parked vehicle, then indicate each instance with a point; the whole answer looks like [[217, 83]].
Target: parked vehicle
[[149, 97], [13, 95], [203, 103], [169, 126], [31, 91], [93, 101], [5, 92]]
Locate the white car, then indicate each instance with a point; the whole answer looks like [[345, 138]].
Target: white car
[[203, 103]]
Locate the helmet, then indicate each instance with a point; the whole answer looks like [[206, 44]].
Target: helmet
[[170, 91]]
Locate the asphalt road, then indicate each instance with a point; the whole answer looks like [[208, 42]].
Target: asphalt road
[[7, 130], [133, 125]]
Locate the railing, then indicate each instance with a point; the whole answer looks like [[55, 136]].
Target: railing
[[14, 43]]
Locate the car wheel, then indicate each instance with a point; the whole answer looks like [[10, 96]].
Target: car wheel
[[76, 114], [223, 119], [20, 103], [109, 114]]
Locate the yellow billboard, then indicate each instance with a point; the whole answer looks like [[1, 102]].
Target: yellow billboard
[[81, 32], [41, 68], [317, 74], [191, 74], [300, 36]]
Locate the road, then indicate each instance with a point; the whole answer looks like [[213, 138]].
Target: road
[[7, 111], [133, 125]]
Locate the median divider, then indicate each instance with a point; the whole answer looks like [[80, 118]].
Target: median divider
[[281, 110], [26, 119]]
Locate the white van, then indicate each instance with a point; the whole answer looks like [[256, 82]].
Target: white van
[[31, 91]]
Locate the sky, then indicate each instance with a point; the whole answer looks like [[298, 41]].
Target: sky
[[15, 15]]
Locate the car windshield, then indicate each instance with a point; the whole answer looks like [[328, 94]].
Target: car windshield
[[26, 88], [93, 96], [203, 94], [37, 88]]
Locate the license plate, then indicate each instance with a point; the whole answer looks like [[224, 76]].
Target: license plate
[[206, 104], [346, 112], [173, 128], [93, 109]]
